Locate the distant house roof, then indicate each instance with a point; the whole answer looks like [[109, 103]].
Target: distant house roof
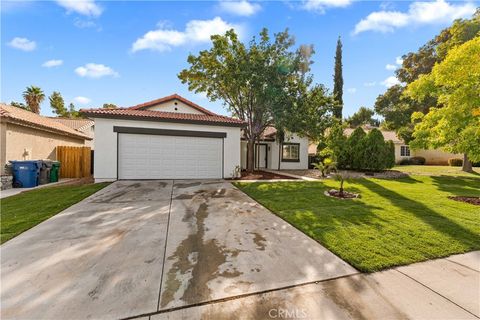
[[170, 98], [76, 124], [33, 120], [267, 135], [387, 135], [138, 112]]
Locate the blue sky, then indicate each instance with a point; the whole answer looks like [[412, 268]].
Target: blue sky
[[131, 52]]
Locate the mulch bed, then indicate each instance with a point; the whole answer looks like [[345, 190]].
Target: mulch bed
[[262, 175], [346, 195], [471, 200]]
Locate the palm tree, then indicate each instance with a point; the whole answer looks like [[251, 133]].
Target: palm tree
[[34, 96]]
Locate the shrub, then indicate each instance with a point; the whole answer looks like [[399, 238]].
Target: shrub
[[417, 161], [404, 162], [336, 146], [375, 151], [390, 154], [356, 145], [359, 151], [455, 162], [325, 166]]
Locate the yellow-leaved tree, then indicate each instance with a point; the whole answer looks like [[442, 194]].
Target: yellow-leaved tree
[[454, 124]]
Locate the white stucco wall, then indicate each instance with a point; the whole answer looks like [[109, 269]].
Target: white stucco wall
[[303, 164], [105, 164], [272, 162], [170, 106]]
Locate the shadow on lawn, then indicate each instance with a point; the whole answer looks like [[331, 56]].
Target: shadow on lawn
[[460, 186], [429, 216]]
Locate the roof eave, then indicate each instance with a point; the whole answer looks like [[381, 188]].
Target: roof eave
[[44, 128], [153, 119]]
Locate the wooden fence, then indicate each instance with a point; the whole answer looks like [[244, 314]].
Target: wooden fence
[[75, 162]]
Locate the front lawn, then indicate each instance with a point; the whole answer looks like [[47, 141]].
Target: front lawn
[[395, 222], [437, 171], [27, 209]]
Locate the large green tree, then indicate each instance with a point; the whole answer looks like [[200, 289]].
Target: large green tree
[[109, 106], [397, 108], [20, 105], [455, 82], [58, 104], [73, 112], [33, 97], [364, 116], [338, 80], [261, 83]]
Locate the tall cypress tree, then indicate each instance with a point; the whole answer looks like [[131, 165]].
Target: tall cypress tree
[[338, 81]]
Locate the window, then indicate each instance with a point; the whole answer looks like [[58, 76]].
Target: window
[[291, 152], [404, 151]]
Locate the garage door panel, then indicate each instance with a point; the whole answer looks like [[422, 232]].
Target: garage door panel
[[169, 157]]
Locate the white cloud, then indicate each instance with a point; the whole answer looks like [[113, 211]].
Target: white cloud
[[82, 100], [418, 13], [352, 90], [82, 24], [94, 70], [196, 31], [52, 63], [390, 81], [399, 61], [320, 6], [83, 7], [391, 67], [22, 44], [240, 8], [370, 84]]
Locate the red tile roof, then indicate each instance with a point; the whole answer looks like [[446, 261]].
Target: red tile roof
[[77, 124], [30, 119], [122, 113], [170, 98], [138, 112]]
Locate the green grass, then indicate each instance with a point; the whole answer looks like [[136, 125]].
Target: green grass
[[27, 209], [437, 171], [395, 222]]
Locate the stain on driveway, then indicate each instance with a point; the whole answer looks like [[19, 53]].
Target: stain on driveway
[[221, 244], [139, 247]]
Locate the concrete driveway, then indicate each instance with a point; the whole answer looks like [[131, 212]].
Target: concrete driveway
[[145, 247]]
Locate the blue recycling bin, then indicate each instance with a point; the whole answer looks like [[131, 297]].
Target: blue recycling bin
[[26, 173]]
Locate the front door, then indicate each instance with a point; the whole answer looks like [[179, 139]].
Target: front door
[[261, 156]]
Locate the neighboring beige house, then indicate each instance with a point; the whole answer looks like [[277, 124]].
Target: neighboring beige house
[[85, 126], [25, 135]]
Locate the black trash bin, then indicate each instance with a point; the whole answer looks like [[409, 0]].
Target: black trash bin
[[44, 177]]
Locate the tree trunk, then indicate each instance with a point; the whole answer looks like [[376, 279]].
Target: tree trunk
[[279, 154], [250, 155], [467, 165]]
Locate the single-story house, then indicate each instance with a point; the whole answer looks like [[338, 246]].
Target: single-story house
[[26, 135], [85, 126], [174, 138], [402, 150]]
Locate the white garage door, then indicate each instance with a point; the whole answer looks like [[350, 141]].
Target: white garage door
[[143, 156]]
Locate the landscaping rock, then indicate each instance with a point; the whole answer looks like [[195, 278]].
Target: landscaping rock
[[6, 182], [386, 174]]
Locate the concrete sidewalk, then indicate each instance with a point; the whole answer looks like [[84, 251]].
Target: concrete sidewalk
[[14, 191], [438, 289]]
